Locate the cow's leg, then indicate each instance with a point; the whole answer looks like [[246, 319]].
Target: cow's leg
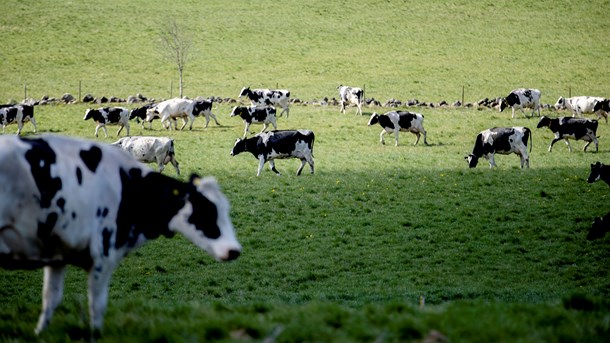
[[303, 161], [52, 292], [275, 124], [261, 163], [342, 109], [175, 164], [555, 140], [383, 132], [396, 131], [513, 116], [119, 131], [492, 160], [34, 122], [272, 167], [265, 125], [246, 130], [425, 140], [359, 111], [417, 134], [309, 159], [568, 144], [19, 127], [185, 121], [99, 278]]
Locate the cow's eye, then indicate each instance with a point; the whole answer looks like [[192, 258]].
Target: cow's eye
[[204, 216]]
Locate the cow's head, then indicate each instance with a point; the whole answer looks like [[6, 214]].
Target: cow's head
[[502, 104], [544, 121], [88, 114], [560, 104], [595, 174], [374, 119], [205, 221], [599, 228], [239, 147], [237, 110], [603, 105], [151, 113], [472, 160], [244, 91]]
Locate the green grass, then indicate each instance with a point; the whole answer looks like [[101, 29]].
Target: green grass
[[349, 253], [425, 50]]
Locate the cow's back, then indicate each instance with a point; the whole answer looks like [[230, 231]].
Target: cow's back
[[56, 192]]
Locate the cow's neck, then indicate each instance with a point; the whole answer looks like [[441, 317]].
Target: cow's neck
[[148, 204]]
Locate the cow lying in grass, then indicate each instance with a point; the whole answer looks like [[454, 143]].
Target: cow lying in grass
[[66, 201]]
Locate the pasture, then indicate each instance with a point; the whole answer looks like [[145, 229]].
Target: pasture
[[382, 243]]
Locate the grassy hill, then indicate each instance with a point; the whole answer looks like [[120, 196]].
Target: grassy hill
[[425, 50]]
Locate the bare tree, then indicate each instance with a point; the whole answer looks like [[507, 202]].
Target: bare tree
[[176, 46]]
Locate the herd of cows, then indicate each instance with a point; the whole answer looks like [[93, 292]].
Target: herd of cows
[[47, 219]]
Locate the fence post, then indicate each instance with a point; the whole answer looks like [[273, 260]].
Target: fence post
[[364, 91], [171, 89], [25, 91], [462, 95], [80, 87], [569, 91]]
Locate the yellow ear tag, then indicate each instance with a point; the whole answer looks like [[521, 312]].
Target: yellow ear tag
[[197, 182], [176, 192]]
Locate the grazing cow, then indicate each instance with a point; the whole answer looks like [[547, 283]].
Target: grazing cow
[[140, 114], [585, 104], [599, 171], [500, 140], [17, 114], [66, 201], [395, 122], [350, 95], [571, 128], [268, 146], [601, 225], [255, 115], [268, 97], [150, 149], [181, 108], [109, 116], [522, 98]]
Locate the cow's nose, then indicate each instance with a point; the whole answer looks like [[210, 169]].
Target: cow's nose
[[233, 254]]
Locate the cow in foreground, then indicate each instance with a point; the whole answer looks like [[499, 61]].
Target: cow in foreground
[[109, 116], [571, 128], [186, 109], [501, 140], [66, 201], [351, 96], [255, 115], [17, 114], [580, 105], [522, 98], [599, 171], [272, 145], [145, 149], [396, 121], [268, 97]]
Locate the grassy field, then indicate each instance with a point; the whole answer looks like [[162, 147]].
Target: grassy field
[[383, 243]]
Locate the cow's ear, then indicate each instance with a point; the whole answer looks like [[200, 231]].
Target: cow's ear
[[195, 179]]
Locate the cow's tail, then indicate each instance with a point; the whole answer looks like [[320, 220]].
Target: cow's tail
[[313, 138]]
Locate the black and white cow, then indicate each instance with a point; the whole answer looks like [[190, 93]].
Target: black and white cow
[[268, 97], [17, 114], [350, 96], [109, 116], [272, 145], [186, 109], [580, 105], [66, 201], [139, 114], [500, 140], [599, 171], [396, 121], [599, 228], [571, 128], [522, 98], [255, 115], [147, 149]]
